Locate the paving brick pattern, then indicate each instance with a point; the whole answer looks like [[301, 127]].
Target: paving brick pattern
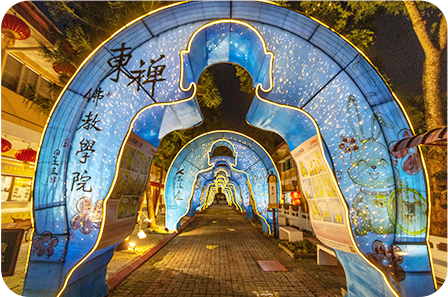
[[217, 254]]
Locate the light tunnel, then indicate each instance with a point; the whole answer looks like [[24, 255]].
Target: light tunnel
[[313, 88], [196, 174]]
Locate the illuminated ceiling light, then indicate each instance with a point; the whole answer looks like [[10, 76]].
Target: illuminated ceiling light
[[14, 29], [6, 145]]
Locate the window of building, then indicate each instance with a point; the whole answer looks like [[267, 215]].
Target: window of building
[[16, 189], [44, 89], [11, 74], [29, 79], [288, 164], [18, 77]]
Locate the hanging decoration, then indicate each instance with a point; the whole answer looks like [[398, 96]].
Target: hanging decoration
[[26, 155], [14, 29], [64, 68], [282, 198], [295, 198], [6, 145]]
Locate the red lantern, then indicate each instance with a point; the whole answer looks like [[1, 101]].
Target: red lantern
[[295, 198], [295, 195], [26, 155], [14, 28], [6, 145], [67, 68]]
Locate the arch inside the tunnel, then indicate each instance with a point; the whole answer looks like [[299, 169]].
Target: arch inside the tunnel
[[312, 87], [195, 167]]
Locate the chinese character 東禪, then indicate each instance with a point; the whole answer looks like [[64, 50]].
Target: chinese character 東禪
[[139, 75], [155, 73], [117, 63]]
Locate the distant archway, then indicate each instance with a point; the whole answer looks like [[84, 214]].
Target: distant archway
[[313, 88], [196, 174]]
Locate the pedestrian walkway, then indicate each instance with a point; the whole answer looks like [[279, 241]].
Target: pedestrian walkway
[[217, 254], [119, 261]]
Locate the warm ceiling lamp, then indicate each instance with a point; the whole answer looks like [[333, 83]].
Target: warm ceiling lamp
[[14, 28], [6, 145], [26, 155]]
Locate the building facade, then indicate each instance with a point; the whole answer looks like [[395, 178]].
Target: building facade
[[25, 73]]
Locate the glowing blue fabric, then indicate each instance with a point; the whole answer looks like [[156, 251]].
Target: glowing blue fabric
[[133, 83]]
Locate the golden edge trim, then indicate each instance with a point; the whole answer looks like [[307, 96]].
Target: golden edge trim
[[209, 151], [62, 94], [209, 197], [428, 202], [187, 51], [255, 208], [428, 190], [233, 167], [192, 190], [229, 194], [161, 104], [205, 196], [344, 203], [234, 196]]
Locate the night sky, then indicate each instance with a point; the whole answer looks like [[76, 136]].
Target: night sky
[[400, 55]]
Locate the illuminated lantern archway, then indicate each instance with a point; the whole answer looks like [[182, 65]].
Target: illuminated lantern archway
[[312, 87], [243, 176]]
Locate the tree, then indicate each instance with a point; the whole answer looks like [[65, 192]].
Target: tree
[[433, 37], [352, 19]]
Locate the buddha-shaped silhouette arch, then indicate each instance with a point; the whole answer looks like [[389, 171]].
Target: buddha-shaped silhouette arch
[[195, 175], [313, 88]]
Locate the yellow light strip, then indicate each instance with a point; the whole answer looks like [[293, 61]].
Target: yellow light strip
[[428, 219], [233, 166], [226, 21], [209, 152], [340, 195], [57, 102], [194, 91], [235, 197], [254, 207], [161, 104], [206, 196], [192, 188]]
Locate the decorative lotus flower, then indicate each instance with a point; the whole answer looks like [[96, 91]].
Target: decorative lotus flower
[[348, 144], [388, 259], [45, 244]]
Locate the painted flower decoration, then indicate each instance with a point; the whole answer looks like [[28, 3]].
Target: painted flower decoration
[[45, 244], [388, 259], [411, 163], [89, 216], [348, 144]]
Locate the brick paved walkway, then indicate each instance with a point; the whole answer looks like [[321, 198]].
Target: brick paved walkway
[[217, 255]]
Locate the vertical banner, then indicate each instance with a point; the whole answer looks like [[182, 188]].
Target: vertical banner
[[326, 210], [122, 206], [273, 194]]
